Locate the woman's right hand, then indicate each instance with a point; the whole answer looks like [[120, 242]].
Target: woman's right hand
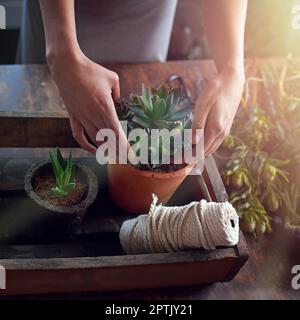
[[88, 91]]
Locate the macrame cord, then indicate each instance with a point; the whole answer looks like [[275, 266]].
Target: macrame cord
[[170, 229]]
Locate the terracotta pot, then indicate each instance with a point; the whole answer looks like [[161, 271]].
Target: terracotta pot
[[132, 188]]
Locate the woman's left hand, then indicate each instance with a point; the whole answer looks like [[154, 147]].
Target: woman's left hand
[[216, 107]]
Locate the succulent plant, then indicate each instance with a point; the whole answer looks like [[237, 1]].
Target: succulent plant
[[63, 173], [159, 108]]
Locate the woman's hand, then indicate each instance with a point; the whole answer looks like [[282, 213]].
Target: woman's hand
[[88, 91], [216, 107]]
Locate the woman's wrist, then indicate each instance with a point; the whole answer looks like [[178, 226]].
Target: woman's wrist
[[70, 53], [234, 70]]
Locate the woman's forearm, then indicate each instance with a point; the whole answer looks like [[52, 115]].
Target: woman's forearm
[[60, 28], [88, 90], [224, 21]]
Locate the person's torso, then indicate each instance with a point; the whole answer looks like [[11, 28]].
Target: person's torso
[[125, 30]]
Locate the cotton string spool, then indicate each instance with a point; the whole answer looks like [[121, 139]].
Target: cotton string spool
[[170, 229]]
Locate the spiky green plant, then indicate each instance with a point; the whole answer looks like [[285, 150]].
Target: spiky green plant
[[63, 173], [159, 108]]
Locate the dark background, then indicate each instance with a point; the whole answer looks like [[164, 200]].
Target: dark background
[[268, 31]]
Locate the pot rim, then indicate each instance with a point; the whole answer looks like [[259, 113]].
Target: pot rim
[[92, 181], [159, 175]]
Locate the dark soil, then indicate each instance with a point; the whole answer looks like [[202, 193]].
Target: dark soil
[[163, 168], [44, 182]]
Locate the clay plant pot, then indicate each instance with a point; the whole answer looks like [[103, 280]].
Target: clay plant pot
[[131, 188], [56, 215]]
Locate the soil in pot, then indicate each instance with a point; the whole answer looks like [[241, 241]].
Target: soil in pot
[[164, 168], [54, 213], [44, 180]]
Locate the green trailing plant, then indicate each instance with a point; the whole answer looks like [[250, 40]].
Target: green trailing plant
[[160, 108], [262, 154], [62, 170]]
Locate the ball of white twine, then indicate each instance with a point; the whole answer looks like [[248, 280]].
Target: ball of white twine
[[170, 229]]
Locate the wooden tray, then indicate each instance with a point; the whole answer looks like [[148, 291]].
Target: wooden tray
[[89, 257]]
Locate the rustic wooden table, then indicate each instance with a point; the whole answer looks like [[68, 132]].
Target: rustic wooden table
[[267, 275]]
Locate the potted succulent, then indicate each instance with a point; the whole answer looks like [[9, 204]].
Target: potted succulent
[[61, 189], [131, 185]]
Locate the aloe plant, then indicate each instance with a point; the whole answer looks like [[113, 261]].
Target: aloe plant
[[63, 173]]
